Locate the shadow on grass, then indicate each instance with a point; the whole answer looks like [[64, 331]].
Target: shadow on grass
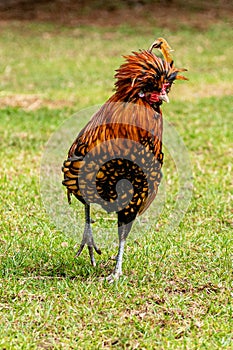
[[42, 265]]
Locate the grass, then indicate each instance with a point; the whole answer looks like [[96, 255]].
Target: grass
[[177, 288]]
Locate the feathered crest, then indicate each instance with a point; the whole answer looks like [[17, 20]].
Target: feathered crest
[[144, 67], [162, 45]]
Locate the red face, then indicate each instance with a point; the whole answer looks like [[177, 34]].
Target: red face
[[160, 96]]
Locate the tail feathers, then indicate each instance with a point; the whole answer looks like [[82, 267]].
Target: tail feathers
[[71, 168]]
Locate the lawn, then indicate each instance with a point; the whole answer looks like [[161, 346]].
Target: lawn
[[176, 292]]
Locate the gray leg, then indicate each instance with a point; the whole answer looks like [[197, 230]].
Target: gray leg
[[119, 259], [123, 231], [88, 237]]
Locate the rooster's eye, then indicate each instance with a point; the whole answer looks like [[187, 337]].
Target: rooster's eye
[[141, 94]]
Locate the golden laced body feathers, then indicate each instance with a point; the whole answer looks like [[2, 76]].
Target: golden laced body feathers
[[128, 115]]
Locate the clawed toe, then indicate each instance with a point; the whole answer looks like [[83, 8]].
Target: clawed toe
[[98, 251], [80, 250], [91, 252], [113, 277]]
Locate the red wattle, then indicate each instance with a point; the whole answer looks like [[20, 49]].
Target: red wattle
[[154, 97]]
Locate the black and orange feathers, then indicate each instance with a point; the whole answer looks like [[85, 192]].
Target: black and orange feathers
[[123, 140]]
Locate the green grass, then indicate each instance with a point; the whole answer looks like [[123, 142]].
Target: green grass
[[177, 289]]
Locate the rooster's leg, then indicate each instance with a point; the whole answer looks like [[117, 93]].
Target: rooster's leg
[[123, 231], [88, 237]]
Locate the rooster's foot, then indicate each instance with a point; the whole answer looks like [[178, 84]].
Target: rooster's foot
[[89, 241]]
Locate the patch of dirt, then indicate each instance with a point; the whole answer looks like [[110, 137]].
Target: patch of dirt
[[168, 14], [31, 102], [203, 90]]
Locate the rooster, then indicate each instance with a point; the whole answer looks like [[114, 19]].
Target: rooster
[[116, 158]]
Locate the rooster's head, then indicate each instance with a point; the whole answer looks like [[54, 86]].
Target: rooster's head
[[147, 76]]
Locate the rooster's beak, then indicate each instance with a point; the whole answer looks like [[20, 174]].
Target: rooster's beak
[[164, 97]]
